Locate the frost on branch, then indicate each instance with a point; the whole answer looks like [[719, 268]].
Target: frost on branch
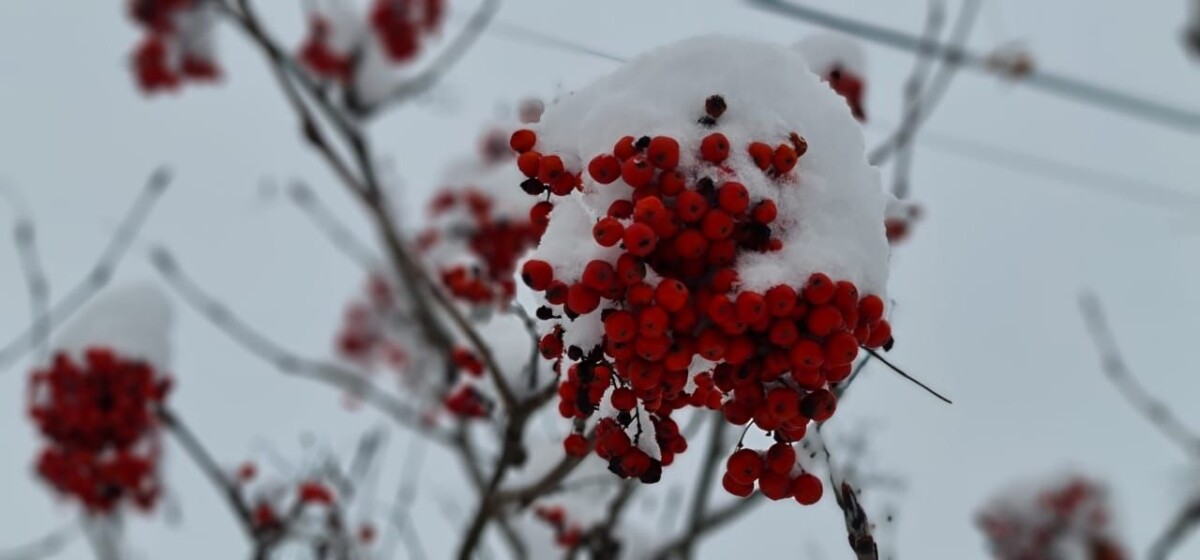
[[177, 46], [840, 61], [96, 402], [1067, 517], [714, 240]]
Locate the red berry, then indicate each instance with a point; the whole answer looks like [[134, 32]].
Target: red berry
[[781, 457], [723, 280], [621, 209], [762, 154], [751, 307], [871, 308], [785, 158], [765, 212], [691, 206], [528, 163], [623, 399], [637, 172], [691, 244], [649, 210], [540, 213], [823, 320], [605, 169], [783, 403], [781, 300], [576, 445], [671, 295], [807, 354], [671, 183], [625, 148], [630, 270], [721, 310], [881, 334], [775, 486], [807, 489], [599, 275], [716, 225], [714, 148], [845, 297], [640, 239], [537, 274], [522, 140], [841, 348], [550, 168], [736, 488], [733, 198], [663, 152], [639, 294], [582, 299], [783, 333], [711, 344], [820, 289], [620, 326], [744, 466], [653, 322], [608, 232], [819, 405]]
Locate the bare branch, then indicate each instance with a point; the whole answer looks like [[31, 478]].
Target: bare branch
[[25, 239], [204, 461], [439, 66], [1115, 369], [712, 521], [1184, 523], [97, 277], [858, 526], [334, 375], [704, 482], [912, 379], [48, 546], [334, 230]]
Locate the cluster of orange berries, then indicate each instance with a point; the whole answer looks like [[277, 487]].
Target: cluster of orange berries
[[164, 60], [671, 296], [99, 418], [398, 25], [494, 241]]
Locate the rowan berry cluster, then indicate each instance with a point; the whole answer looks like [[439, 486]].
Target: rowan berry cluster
[[567, 534], [99, 418], [334, 45], [678, 327], [176, 47], [274, 505], [1069, 518], [491, 241]]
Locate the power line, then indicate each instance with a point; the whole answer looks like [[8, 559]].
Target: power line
[[1077, 175], [1057, 84]]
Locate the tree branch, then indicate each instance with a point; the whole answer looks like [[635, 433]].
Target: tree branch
[[204, 461]]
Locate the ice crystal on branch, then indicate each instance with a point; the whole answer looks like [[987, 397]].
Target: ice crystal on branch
[[713, 240]]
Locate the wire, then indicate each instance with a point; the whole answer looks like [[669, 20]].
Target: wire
[[1063, 86]]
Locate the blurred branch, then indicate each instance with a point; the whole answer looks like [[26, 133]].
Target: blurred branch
[[1066, 87], [47, 546], [1185, 522], [1115, 369], [858, 526], [337, 376], [98, 277], [25, 240], [711, 521], [922, 96], [704, 483], [438, 67], [215, 474], [334, 230]]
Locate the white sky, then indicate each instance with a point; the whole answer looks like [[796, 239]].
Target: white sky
[[986, 291]]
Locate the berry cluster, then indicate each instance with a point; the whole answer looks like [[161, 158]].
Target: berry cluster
[[176, 46], [273, 504], [775, 472], [100, 422], [334, 45], [679, 329], [1071, 514], [566, 533], [899, 218], [493, 240]]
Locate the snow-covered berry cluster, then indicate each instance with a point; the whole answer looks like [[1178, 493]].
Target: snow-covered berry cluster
[[567, 533], [1066, 518], [177, 45], [899, 219], [338, 37], [309, 501], [98, 416], [723, 247]]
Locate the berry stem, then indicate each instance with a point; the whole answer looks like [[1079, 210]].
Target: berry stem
[[876, 355]]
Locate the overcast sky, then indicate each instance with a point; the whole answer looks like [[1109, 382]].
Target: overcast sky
[[986, 291]]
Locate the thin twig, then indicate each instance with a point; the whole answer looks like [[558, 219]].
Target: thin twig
[[899, 371], [47, 546], [215, 474], [712, 521], [345, 379], [1184, 522], [334, 230], [25, 240], [1117, 371], [439, 66], [97, 277], [704, 483]]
